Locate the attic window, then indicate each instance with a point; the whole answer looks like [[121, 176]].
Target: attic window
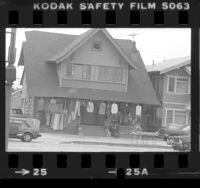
[[96, 45]]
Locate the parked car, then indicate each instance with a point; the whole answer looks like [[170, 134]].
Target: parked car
[[182, 143], [173, 130], [24, 128]]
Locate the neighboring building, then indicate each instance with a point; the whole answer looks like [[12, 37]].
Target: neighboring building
[[16, 99], [69, 78], [171, 81]]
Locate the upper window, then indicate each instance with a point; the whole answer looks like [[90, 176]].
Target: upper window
[[97, 45], [78, 71], [178, 85], [103, 73], [94, 73], [86, 74], [110, 74]]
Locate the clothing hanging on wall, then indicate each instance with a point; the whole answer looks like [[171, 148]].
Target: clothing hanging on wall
[[114, 108], [48, 119], [61, 121], [90, 107], [56, 122], [77, 108], [52, 104]]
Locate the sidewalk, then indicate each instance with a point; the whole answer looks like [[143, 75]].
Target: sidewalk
[[80, 139]]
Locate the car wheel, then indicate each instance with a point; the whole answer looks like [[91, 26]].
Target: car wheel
[[27, 137], [176, 147]]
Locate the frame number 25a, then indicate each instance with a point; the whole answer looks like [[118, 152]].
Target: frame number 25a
[[136, 172]]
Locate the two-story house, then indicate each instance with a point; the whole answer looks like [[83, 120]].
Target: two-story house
[[171, 81], [83, 77]]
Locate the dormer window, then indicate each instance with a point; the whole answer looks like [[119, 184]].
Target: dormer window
[[97, 45]]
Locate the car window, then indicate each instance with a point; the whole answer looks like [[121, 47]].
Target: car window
[[186, 128]]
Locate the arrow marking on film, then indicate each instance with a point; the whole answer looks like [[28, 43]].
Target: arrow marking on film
[[112, 172], [23, 172]]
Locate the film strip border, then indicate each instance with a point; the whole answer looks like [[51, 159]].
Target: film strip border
[[23, 14], [100, 165], [110, 18]]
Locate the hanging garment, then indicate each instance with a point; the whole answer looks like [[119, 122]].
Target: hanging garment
[[55, 122], [52, 104], [114, 108], [102, 108], [77, 108], [40, 105], [58, 121], [90, 107], [138, 110], [48, 117], [61, 121]]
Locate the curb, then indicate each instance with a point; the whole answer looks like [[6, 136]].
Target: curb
[[116, 144]]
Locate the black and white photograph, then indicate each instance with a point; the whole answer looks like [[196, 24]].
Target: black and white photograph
[[99, 90]]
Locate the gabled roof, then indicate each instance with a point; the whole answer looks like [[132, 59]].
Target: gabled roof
[[169, 65], [42, 79], [81, 40]]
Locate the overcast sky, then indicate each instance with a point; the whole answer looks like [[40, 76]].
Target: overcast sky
[[153, 44]]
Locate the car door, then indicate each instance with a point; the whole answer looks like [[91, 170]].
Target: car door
[[14, 127]]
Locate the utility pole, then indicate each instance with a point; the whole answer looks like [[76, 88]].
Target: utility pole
[[10, 77]]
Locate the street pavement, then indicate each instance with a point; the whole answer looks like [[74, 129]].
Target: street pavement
[[50, 142]]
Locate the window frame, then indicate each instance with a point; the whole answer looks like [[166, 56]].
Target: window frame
[[175, 85], [173, 115], [85, 69], [97, 70], [95, 49]]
